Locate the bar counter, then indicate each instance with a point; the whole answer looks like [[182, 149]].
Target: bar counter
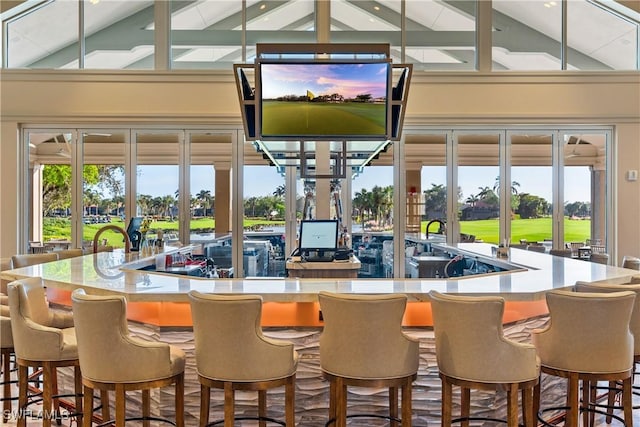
[[158, 308]]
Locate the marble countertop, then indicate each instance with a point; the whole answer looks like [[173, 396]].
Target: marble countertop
[[116, 272]]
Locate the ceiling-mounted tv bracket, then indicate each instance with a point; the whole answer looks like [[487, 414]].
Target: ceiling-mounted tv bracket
[[337, 164]]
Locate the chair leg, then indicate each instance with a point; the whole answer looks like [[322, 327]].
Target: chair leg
[[536, 401], [179, 401], [88, 403], [6, 378], [22, 395], [229, 404], [611, 400], [47, 392], [592, 398], [447, 398], [393, 405], [205, 398], [512, 405], [146, 408], [262, 407], [77, 377], [572, 401], [104, 401], [54, 393], [528, 416], [465, 406], [341, 403], [333, 395], [290, 402], [121, 405], [586, 402], [406, 404], [627, 403]]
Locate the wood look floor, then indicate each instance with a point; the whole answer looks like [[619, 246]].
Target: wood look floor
[[600, 422]]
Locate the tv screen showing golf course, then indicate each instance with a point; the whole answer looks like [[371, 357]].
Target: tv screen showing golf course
[[325, 101]]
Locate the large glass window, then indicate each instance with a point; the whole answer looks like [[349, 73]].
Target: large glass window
[[527, 35], [479, 182], [599, 39], [531, 188], [207, 34], [440, 35], [157, 179], [45, 37], [103, 183]]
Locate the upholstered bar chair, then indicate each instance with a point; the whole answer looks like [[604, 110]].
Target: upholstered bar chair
[[69, 253], [362, 345], [587, 339], [233, 354], [26, 260], [599, 258], [631, 262], [42, 338], [634, 326], [6, 348], [566, 253], [473, 354], [111, 359]]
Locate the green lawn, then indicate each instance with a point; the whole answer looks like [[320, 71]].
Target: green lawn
[[531, 229], [487, 230]]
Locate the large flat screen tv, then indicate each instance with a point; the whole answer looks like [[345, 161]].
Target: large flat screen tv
[[324, 100], [318, 235]]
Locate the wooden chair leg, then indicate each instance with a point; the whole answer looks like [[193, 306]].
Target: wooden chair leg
[[611, 400], [447, 400], [146, 407], [47, 392], [88, 403], [406, 404], [627, 403], [262, 407], [528, 416], [104, 401], [22, 395], [465, 406], [205, 398], [536, 401], [290, 402], [512, 405], [179, 401], [393, 405], [6, 378], [592, 398], [333, 392], [586, 402], [229, 404], [341, 403], [572, 401], [77, 378], [121, 405]]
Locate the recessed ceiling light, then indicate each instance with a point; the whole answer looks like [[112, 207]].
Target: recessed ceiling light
[[376, 7], [552, 3], [263, 6], [547, 5], [94, 1]]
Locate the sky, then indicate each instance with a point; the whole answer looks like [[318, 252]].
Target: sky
[[347, 80], [263, 180]]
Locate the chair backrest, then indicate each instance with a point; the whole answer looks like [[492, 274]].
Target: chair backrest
[[363, 338], [229, 341], [591, 242], [26, 260], [106, 350], [104, 248], [634, 324], [5, 264], [470, 338], [579, 339], [537, 248], [36, 333], [598, 249], [561, 252], [69, 253], [599, 258], [6, 337], [631, 262]]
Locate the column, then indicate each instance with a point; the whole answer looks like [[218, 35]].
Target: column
[[222, 203]]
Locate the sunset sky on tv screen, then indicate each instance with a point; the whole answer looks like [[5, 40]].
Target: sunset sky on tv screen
[[348, 80]]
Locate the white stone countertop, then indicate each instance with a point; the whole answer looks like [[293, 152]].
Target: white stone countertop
[[116, 272]]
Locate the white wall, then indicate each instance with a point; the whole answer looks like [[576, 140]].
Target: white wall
[[182, 98]]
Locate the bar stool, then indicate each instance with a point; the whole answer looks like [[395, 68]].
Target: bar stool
[[233, 354], [363, 345], [578, 344], [631, 262], [566, 253], [599, 258], [26, 260], [111, 359], [634, 326], [473, 353], [6, 349], [41, 338], [69, 253]]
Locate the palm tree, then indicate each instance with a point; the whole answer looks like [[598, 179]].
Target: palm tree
[[361, 202], [472, 200], [280, 191], [204, 196], [514, 185]]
